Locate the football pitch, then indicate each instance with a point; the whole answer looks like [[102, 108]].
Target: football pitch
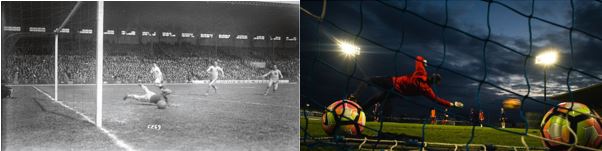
[[436, 133], [239, 117]]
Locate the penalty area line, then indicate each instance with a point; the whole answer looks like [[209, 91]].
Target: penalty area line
[[114, 137]]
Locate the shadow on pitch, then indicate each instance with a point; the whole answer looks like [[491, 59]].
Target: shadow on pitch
[[44, 109]]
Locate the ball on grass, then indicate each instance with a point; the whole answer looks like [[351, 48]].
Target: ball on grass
[[558, 123], [161, 104], [343, 117]]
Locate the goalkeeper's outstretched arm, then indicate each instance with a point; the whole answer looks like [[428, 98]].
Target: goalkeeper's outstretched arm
[[428, 92]]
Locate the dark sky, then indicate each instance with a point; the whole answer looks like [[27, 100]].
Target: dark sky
[[384, 25]]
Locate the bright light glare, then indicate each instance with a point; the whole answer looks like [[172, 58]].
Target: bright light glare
[[348, 49], [546, 58]]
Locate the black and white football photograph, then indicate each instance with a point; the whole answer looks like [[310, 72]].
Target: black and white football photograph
[[150, 75]]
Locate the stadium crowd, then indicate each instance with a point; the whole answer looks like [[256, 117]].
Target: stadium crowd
[[132, 68]]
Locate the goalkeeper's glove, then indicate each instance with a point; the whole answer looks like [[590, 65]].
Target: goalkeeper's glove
[[457, 104]]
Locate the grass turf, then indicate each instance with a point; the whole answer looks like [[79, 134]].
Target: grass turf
[[239, 117], [437, 133]]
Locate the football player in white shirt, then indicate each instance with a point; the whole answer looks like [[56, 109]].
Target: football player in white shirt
[[214, 71], [157, 75], [274, 76]]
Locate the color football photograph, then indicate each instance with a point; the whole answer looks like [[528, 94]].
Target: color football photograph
[[451, 75], [121, 75]]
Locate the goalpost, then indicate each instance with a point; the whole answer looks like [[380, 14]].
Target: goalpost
[[99, 56], [99, 61]]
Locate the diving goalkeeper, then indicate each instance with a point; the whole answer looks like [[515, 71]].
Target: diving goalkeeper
[[414, 84], [149, 96]]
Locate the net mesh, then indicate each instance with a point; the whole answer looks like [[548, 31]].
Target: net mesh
[[29, 53], [320, 61], [77, 60]]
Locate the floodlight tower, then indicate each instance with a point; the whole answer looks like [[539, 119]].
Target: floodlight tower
[[349, 50], [546, 59]]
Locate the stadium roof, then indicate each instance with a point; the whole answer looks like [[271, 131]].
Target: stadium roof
[[262, 18], [592, 96]]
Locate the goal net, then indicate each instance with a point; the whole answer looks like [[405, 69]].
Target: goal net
[[53, 48]]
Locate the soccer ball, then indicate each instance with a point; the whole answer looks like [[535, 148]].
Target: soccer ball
[[511, 103], [162, 104], [556, 123], [343, 117]]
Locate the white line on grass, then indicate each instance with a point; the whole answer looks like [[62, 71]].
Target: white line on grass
[[253, 103], [117, 141]]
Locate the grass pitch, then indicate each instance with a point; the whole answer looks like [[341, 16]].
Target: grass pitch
[[239, 117], [437, 133]]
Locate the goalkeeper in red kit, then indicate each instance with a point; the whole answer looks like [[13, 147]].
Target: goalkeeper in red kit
[[414, 84]]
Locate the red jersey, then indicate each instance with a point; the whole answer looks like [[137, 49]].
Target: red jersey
[[416, 84]]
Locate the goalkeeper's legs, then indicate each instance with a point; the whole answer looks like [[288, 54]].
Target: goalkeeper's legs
[[146, 90], [379, 82], [375, 99], [357, 91], [135, 97], [139, 97]]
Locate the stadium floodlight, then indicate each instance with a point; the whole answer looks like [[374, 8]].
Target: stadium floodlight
[[546, 58], [348, 48]]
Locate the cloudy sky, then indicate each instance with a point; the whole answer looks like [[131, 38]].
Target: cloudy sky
[[383, 24]]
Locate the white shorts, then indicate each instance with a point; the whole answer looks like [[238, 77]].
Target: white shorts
[[213, 79], [273, 82]]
